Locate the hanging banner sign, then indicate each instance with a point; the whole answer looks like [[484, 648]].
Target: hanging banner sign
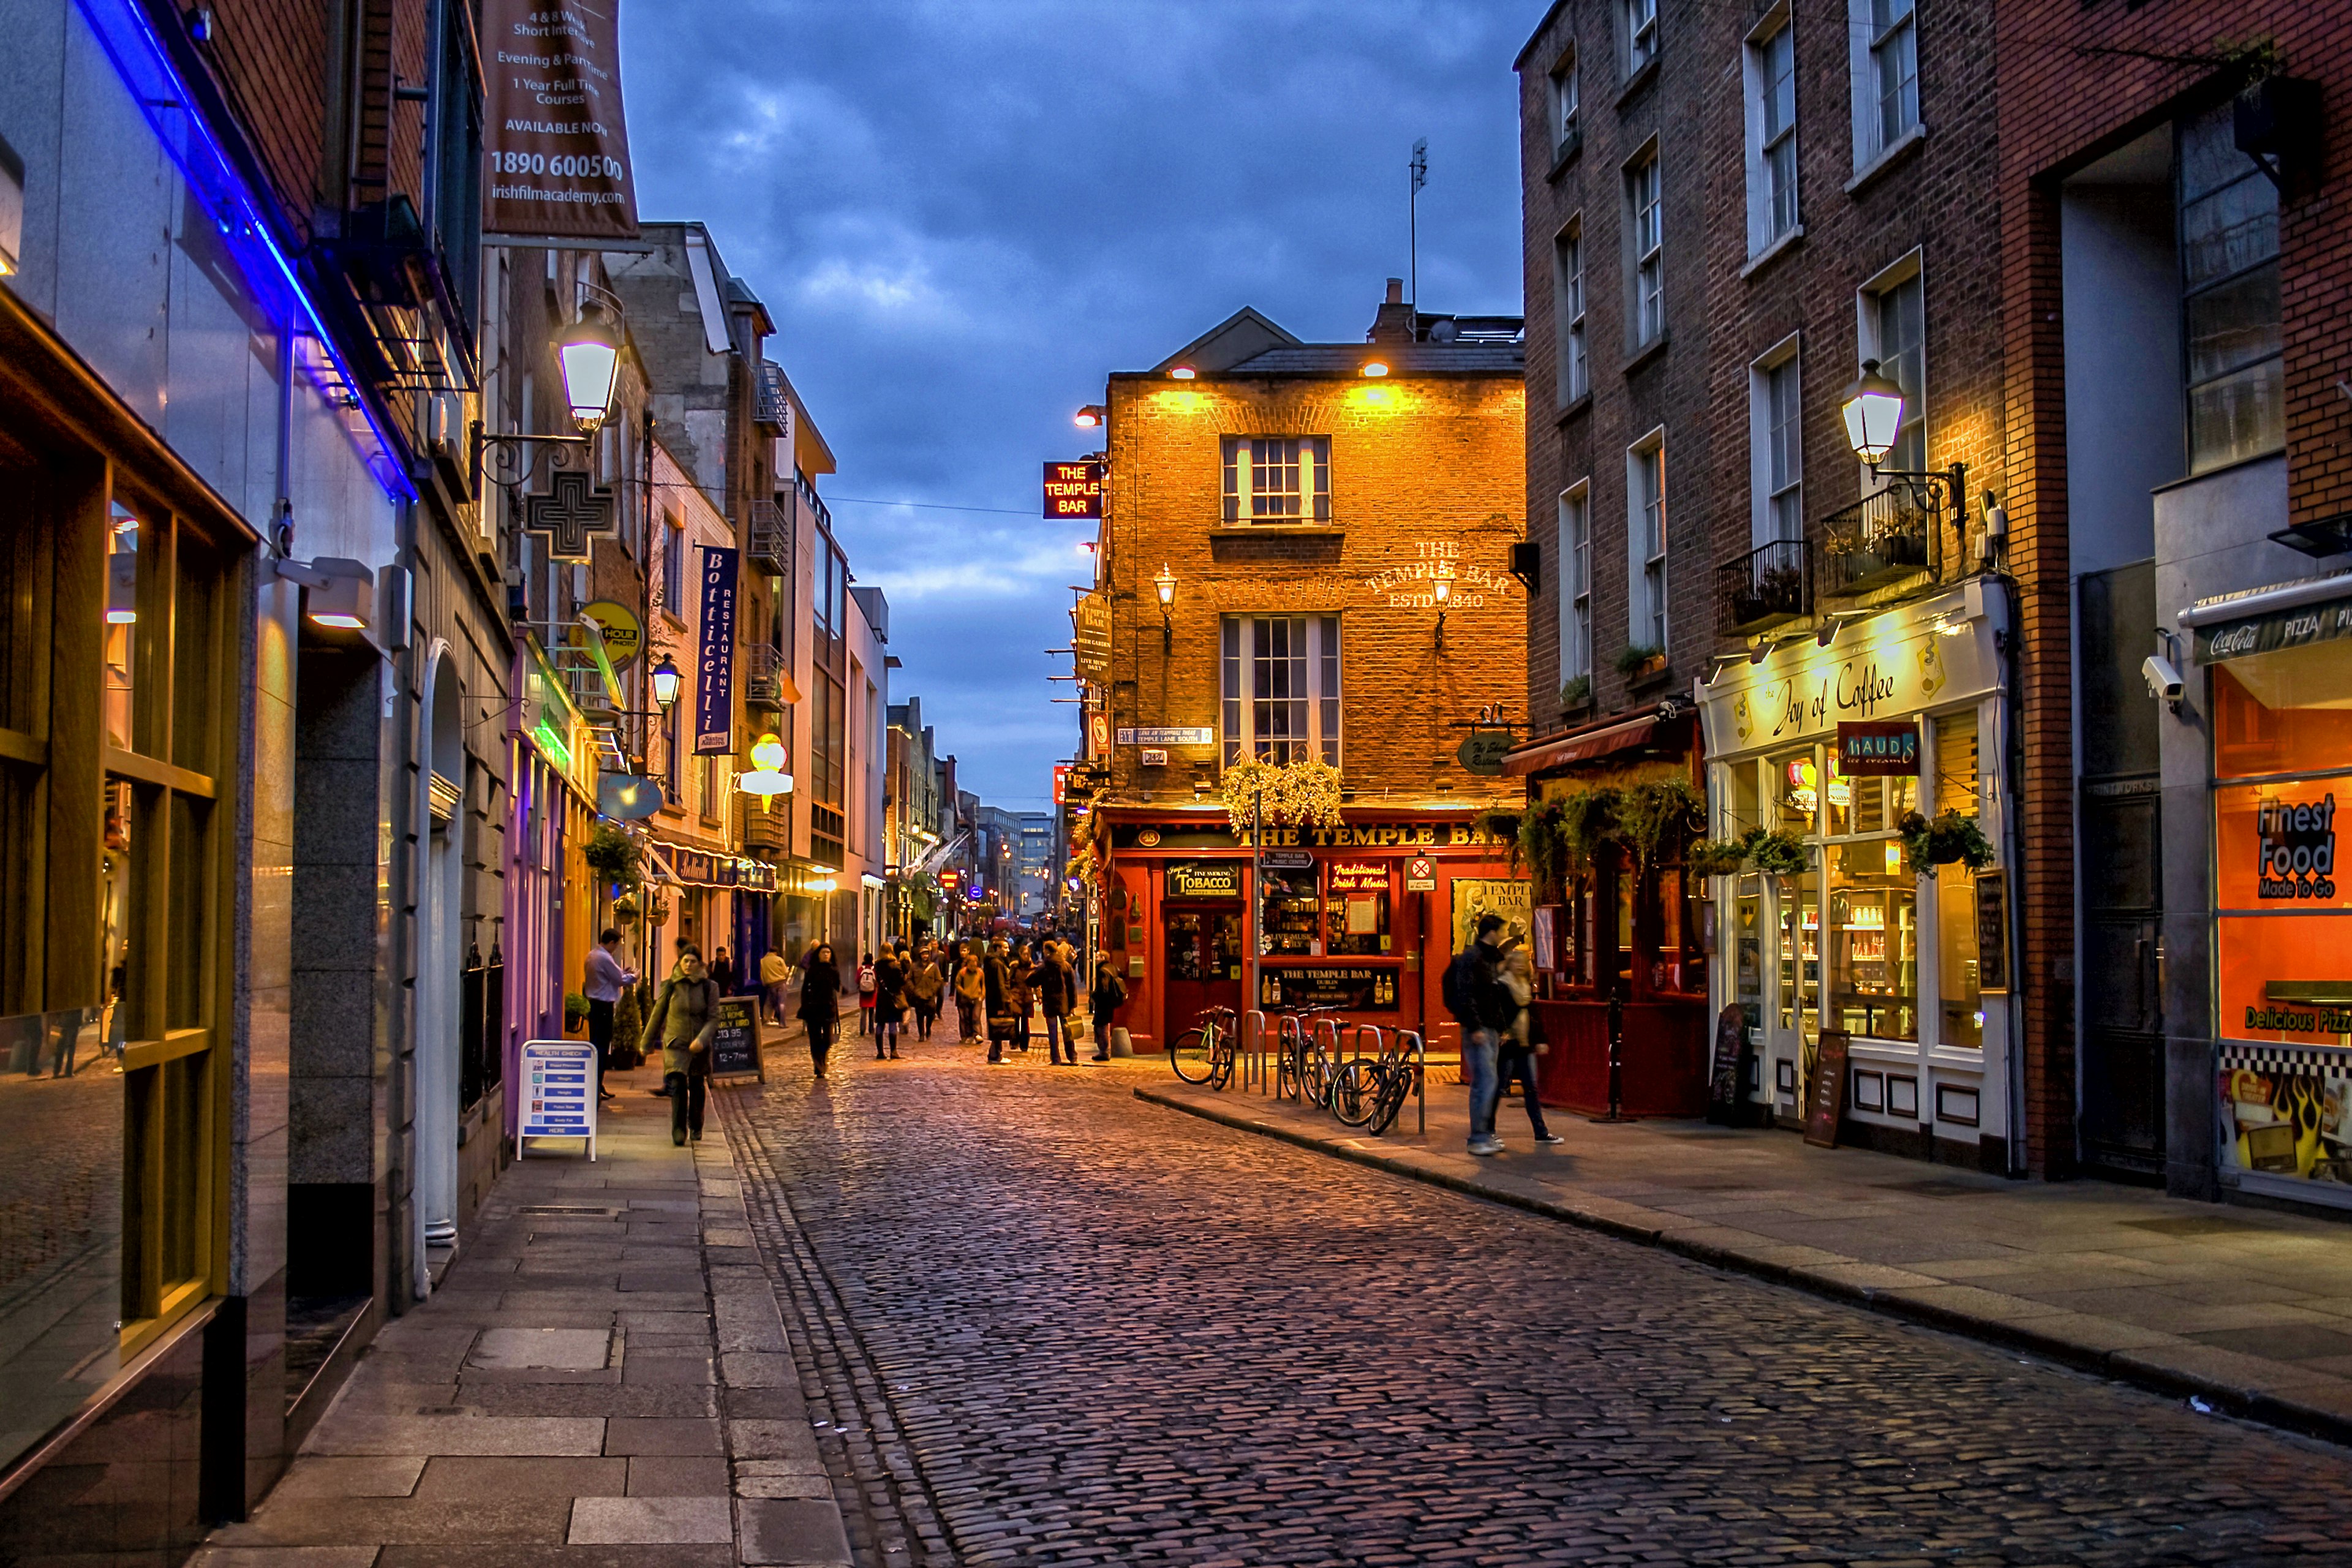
[[558, 1081], [1074, 490], [714, 686], [1878, 748], [555, 142]]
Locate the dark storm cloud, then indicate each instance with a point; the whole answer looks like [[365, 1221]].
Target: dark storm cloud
[[963, 215]]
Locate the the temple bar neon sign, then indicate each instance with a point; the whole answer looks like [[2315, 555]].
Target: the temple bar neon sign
[[1074, 490]]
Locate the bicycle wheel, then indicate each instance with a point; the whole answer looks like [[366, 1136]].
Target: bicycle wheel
[[1194, 1056], [1221, 1069], [1396, 1083], [1355, 1093]]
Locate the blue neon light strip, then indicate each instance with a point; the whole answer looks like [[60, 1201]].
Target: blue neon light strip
[[129, 37]]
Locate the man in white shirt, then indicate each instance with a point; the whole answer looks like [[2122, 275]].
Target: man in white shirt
[[602, 985]]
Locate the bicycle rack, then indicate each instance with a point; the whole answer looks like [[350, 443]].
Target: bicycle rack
[[1292, 1044], [1420, 1078], [1251, 1050]]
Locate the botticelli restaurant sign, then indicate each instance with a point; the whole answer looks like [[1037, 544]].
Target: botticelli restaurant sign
[[714, 688], [555, 142], [1074, 490], [1204, 880], [1871, 748]]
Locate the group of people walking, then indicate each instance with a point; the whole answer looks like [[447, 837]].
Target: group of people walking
[[1488, 989], [1009, 991]]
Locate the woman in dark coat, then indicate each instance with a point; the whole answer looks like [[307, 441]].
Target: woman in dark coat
[[820, 1009], [889, 1003], [1002, 987]]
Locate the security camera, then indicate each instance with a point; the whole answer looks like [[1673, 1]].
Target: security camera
[[2164, 682]]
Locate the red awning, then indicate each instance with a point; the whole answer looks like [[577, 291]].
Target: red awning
[[1545, 756]]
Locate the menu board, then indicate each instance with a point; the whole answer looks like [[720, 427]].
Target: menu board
[[1358, 988], [735, 1039], [1723, 1077], [558, 1081], [1992, 933], [1825, 1095]]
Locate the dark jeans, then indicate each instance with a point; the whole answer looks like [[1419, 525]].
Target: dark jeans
[[599, 1035], [1102, 1036], [1517, 1061], [820, 1039], [686, 1093], [1057, 1038]]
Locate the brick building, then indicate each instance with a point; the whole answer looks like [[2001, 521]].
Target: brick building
[[1729, 212], [2174, 276], [1306, 551]]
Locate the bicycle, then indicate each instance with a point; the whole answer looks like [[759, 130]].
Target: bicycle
[[1204, 1053], [1371, 1090], [1305, 1066]]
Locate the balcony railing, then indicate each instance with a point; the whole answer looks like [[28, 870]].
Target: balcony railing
[[1769, 586], [763, 676], [770, 829], [1885, 537], [772, 539], [771, 404]]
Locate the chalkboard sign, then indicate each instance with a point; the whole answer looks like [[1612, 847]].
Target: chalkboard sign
[[1723, 1080], [735, 1041], [1825, 1095], [1992, 933]]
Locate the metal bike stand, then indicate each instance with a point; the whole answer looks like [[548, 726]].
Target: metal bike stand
[[1420, 1079], [1251, 1049]]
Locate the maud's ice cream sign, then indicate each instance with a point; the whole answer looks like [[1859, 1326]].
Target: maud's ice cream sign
[[2298, 849]]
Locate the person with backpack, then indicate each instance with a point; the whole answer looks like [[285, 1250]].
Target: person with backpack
[[1482, 1005], [865, 995], [1109, 995]]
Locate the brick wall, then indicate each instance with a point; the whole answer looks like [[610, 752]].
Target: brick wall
[[1423, 468]]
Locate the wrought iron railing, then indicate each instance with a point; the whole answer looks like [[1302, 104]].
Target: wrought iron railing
[[763, 676], [772, 402], [770, 541], [1894, 534], [1767, 587]]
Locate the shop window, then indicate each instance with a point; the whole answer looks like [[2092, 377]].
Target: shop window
[[1680, 964], [1874, 942], [1356, 910], [1286, 922], [2284, 712], [1280, 687], [1795, 781], [1868, 805], [1797, 987], [1957, 971], [1748, 950], [2230, 301], [1277, 479]]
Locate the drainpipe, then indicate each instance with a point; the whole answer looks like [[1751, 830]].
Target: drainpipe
[[2014, 821]]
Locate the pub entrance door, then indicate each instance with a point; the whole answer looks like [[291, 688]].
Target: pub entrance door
[[1202, 954]]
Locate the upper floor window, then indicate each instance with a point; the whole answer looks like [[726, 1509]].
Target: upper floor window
[[1893, 319], [1640, 34], [1564, 107], [1771, 73], [1280, 687], [1886, 67], [1775, 429], [676, 591], [1575, 584], [1645, 509], [2230, 298], [1645, 208], [1574, 376], [1277, 479]]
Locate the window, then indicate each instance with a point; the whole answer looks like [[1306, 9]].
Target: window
[[1568, 309], [2230, 298], [1640, 34], [1575, 584], [1564, 108], [1776, 430], [1886, 68], [1645, 505], [1281, 688], [1958, 975], [673, 582], [1894, 333], [1646, 229], [1277, 479], [1771, 72]]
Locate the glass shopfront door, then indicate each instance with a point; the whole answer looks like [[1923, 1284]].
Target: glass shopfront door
[[1201, 955]]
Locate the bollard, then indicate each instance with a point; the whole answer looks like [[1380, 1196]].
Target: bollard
[[1120, 1046]]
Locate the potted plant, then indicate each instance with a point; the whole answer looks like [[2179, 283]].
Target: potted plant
[[575, 1012], [1588, 819], [1779, 853], [625, 910], [1576, 694], [1952, 838], [1640, 660], [1656, 813], [613, 855], [1716, 857]]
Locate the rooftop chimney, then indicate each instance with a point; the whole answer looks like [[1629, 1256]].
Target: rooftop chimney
[[1393, 324]]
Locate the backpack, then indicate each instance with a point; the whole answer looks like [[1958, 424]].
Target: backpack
[[865, 980], [1453, 989]]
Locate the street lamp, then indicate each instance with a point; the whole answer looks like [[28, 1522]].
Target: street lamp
[[1872, 407], [1376, 367], [1441, 588], [590, 353], [1093, 416], [1166, 583], [666, 680], [766, 778]]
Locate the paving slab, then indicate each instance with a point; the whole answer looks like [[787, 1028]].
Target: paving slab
[[651, 1521]]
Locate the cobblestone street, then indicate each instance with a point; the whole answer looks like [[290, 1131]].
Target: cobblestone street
[[1042, 1322]]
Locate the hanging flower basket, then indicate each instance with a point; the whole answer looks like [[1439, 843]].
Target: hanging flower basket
[[1951, 839], [1777, 854]]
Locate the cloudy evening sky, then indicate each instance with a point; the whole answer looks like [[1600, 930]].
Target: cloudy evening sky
[[963, 215]]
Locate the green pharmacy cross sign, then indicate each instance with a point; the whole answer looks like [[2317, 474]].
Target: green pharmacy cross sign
[[573, 510]]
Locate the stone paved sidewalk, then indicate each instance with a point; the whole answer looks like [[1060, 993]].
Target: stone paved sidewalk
[[602, 1379], [2244, 1310]]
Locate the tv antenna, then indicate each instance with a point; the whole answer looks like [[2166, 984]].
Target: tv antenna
[[1413, 220]]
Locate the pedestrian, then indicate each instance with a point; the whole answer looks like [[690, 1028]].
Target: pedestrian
[[602, 985], [722, 973], [686, 1015], [820, 1008], [1024, 996], [971, 995], [1109, 994], [1521, 1042], [774, 976], [923, 990], [865, 995], [1051, 984], [1000, 998], [1476, 995], [889, 1003]]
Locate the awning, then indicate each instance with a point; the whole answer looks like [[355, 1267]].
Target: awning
[[2272, 618], [1541, 756]]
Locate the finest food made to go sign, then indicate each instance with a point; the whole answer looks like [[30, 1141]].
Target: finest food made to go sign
[[1074, 490]]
